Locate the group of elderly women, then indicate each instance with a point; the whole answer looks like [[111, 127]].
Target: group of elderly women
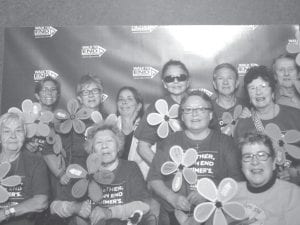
[[142, 168]]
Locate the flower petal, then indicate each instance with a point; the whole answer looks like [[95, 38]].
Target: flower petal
[[235, 210], [57, 146], [176, 154], [155, 119], [104, 176], [96, 117], [93, 163], [79, 126], [219, 218], [4, 169], [207, 188], [173, 112], [14, 110], [292, 136], [28, 117], [46, 116], [95, 191], [27, 105], [227, 118], [177, 181], [203, 211], [84, 113], [43, 129], [11, 181], [189, 175], [31, 129], [189, 157], [66, 126], [76, 171], [273, 131], [162, 107], [298, 60], [4, 195], [237, 112], [168, 168], [72, 106], [292, 48], [227, 189], [163, 129], [61, 114], [293, 150], [51, 137], [175, 125], [80, 188]]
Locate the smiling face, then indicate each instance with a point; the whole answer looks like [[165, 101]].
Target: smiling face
[[126, 103], [48, 94], [105, 144], [90, 95], [286, 72], [176, 87], [12, 136], [196, 114], [257, 172], [225, 81], [260, 93]]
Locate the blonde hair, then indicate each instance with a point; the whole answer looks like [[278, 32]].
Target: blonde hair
[[11, 116]]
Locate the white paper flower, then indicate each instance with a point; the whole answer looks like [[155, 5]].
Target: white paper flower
[[218, 201], [164, 117]]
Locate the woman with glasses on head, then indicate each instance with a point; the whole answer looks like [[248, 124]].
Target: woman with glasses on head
[[259, 84], [216, 157], [267, 200]]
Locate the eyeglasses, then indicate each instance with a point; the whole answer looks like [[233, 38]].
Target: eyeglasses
[[262, 87], [190, 110], [92, 91], [170, 79], [260, 156], [47, 90]]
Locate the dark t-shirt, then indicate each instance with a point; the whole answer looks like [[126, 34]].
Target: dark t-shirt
[[33, 171], [217, 158]]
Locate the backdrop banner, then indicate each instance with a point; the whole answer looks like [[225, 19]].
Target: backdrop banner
[[131, 56]]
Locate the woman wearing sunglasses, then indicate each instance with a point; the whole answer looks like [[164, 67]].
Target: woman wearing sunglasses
[[202, 151], [175, 79]]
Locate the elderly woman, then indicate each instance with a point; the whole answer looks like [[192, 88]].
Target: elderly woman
[[216, 156], [31, 194], [259, 84], [286, 72], [123, 196], [267, 200]]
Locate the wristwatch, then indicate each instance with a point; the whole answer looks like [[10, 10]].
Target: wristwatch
[[10, 212]]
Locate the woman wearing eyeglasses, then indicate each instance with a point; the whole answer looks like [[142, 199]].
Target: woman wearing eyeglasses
[[267, 200], [175, 79], [259, 84], [216, 157]]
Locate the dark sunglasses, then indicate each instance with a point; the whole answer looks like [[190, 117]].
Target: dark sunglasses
[[170, 79]]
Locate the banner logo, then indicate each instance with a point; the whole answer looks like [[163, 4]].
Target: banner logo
[[92, 51], [144, 72], [41, 74], [242, 68], [44, 32], [142, 29]]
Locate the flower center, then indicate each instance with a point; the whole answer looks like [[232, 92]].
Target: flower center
[[218, 204], [167, 118], [233, 122], [180, 167], [72, 117], [281, 143]]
